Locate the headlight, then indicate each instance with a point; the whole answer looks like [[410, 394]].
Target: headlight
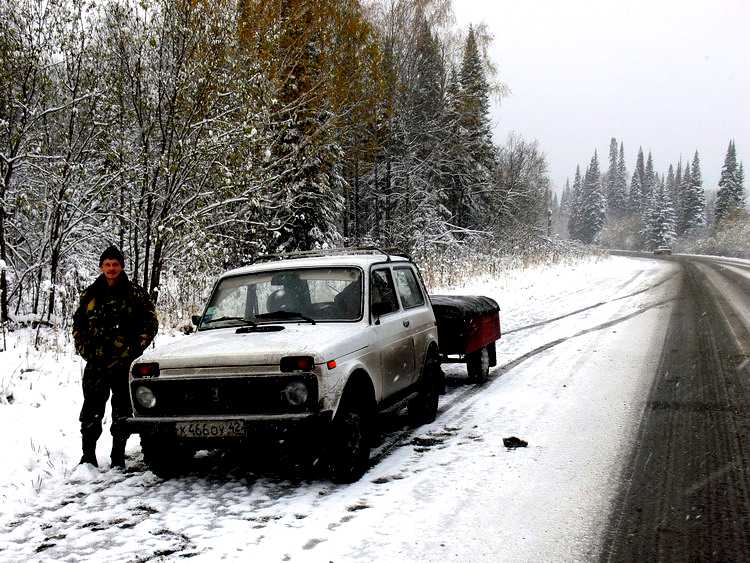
[[296, 393], [145, 397]]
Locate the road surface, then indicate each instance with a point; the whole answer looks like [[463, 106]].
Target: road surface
[[685, 493]]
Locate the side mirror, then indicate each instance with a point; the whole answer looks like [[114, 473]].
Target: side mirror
[[380, 308], [196, 319]]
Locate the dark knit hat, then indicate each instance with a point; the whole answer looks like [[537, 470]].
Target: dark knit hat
[[112, 253]]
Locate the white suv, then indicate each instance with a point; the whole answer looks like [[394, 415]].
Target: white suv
[[306, 351]]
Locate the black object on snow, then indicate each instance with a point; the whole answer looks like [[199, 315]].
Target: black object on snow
[[514, 442]]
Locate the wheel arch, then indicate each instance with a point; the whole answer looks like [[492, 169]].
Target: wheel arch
[[359, 387]]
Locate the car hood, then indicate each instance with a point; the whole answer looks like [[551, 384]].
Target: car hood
[[226, 347]]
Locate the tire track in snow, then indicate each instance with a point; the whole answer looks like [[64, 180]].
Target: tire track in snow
[[601, 303], [462, 398]]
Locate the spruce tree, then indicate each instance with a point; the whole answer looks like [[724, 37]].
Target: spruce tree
[[574, 221], [649, 179], [658, 224], [693, 198], [475, 122], [593, 203], [616, 193], [730, 198], [635, 200], [622, 181]]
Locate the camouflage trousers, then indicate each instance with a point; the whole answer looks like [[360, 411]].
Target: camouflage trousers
[[98, 381]]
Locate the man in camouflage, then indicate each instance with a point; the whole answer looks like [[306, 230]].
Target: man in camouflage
[[114, 323]]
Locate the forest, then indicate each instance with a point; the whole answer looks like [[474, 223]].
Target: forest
[[197, 135], [656, 210]]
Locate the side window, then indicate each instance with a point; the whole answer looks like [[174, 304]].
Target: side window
[[382, 292], [408, 288]]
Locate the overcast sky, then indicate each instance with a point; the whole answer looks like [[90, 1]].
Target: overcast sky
[[672, 76]]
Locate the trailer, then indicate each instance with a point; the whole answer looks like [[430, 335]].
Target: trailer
[[468, 327]]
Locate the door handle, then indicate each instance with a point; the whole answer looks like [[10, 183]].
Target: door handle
[[406, 323]]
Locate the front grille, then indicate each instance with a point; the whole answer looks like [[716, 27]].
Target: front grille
[[236, 395]]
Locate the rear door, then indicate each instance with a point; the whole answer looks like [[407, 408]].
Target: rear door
[[417, 313], [393, 333]]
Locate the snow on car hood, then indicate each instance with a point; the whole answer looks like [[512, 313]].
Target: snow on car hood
[[225, 347]]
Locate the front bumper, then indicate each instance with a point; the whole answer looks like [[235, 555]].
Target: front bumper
[[276, 426]]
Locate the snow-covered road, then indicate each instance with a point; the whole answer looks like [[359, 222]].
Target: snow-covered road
[[576, 362]]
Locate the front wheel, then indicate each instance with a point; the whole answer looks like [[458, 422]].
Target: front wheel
[[166, 458], [349, 450], [478, 365]]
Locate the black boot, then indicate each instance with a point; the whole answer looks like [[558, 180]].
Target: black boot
[[89, 452], [118, 451]]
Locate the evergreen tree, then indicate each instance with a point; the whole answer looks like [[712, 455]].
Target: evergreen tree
[[574, 222], [693, 198], [622, 182], [478, 133], [636, 199], [677, 194], [616, 192], [649, 179], [593, 203], [658, 224], [730, 198]]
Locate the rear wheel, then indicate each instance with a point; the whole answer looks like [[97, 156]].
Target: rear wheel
[[478, 365], [423, 408], [349, 450]]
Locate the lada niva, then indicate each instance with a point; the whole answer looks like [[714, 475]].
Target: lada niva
[[306, 350]]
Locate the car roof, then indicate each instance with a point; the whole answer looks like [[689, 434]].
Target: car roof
[[363, 261]]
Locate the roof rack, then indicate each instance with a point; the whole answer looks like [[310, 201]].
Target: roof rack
[[387, 252]]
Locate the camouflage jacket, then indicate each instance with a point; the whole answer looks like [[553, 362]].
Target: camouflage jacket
[[114, 324]]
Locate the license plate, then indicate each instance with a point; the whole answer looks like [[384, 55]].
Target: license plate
[[211, 429]]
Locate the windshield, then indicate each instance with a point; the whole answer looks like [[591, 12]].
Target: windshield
[[302, 295]]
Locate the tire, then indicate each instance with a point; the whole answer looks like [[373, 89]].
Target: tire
[[349, 449], [423, 409], [478, 365], [164, 457]]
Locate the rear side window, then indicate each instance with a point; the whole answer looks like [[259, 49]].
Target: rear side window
[[382, 291], [408, 288]]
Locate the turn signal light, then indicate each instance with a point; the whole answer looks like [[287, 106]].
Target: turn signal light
[[146, 370], [331, 364], [297, 363]]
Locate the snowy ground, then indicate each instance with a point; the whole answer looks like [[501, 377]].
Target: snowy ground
[[577, 358]]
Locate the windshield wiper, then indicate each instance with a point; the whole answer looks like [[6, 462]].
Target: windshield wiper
[[285, 315], [243, 320]]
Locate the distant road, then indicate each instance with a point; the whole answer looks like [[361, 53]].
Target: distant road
[[685, 495]]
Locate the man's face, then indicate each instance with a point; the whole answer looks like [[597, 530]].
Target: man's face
[[111, 269]]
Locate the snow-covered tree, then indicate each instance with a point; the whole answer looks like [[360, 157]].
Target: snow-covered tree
[[593, 203], [574, 221], [730, 199], [635, 199], [648, 180], [693, 197], [475, 122], [658, 224], [616, 182]]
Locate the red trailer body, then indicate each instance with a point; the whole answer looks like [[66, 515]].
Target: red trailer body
[[468, 326]]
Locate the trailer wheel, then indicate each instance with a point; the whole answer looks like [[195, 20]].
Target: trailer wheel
[[478, 365]]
